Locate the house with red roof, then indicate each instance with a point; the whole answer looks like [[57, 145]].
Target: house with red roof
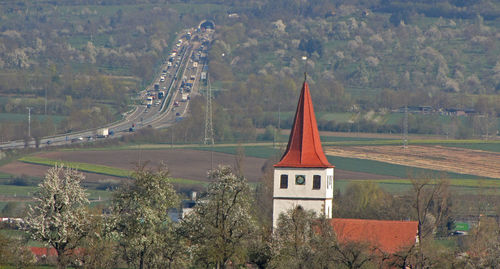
[[387, 236], [304, 177]]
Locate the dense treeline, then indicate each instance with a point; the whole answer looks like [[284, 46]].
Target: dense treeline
[[360, 60], [229, 226], [83, 60], [74, 57]]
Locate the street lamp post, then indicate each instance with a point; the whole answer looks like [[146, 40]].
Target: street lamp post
[[29, 120]]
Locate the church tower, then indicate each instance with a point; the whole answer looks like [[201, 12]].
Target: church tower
[[303, 177]]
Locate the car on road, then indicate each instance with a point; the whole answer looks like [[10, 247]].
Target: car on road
[[77, 139], [177, 114]]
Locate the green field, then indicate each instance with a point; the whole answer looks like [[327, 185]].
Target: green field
[[14, 191], [85, 167], [266, 151], [494, 147], [349, 164], [351, 139], [27, 191], [469, 183]]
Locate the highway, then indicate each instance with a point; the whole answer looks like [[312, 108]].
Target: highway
[[186, 61]]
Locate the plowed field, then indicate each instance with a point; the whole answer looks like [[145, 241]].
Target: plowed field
[[182, 163], [457, 160]]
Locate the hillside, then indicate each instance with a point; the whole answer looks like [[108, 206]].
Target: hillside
[[82, 61]]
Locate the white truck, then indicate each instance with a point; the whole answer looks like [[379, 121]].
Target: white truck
[[149, 101], [185, 97], [102, 133]]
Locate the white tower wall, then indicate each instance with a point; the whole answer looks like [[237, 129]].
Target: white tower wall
[[309, 196]]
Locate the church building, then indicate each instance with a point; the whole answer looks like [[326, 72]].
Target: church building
[[304, 177]]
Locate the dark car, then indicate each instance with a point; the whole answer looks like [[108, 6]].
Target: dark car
[[78, 139]]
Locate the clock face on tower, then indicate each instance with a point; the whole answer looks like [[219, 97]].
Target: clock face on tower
[[300, 179]]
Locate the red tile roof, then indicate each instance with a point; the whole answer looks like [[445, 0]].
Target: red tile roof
[[304, 146], [50, 251], [43, 251], [389, 236]]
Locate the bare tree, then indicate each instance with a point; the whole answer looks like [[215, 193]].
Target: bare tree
[[430, 201], [353, 255], [484, 244], [239, 161]]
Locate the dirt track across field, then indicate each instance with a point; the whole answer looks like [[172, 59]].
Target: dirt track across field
[[457, 160], [182, 163]]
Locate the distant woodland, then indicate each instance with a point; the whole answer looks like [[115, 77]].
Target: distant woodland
[[84, 60]]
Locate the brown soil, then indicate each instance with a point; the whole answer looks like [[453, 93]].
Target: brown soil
[[182, 163], [457, 160]]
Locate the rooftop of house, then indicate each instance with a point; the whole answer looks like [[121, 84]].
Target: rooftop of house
[[388, 236]]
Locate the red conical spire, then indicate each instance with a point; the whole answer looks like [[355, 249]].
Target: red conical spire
[[304, 146]]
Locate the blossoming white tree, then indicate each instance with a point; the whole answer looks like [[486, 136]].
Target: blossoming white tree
[[59, 216], [221, 224], [146, 234]]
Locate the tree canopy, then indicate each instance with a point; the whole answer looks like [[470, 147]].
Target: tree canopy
[[59, 217]]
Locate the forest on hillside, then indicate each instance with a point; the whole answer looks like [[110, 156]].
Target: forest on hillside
[[367, 59], [84, 60]]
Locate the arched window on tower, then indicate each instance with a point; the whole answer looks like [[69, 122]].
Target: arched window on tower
[[316, 182], [284, 181]]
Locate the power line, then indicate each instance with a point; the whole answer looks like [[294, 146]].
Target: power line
[[29, 120], [405, 128], [209, 130]]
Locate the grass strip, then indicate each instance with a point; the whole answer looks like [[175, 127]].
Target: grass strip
[[14, 191], [263, 152], [493, 146], [187, 181], [27, 191], [85, 167], [474, 183]]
